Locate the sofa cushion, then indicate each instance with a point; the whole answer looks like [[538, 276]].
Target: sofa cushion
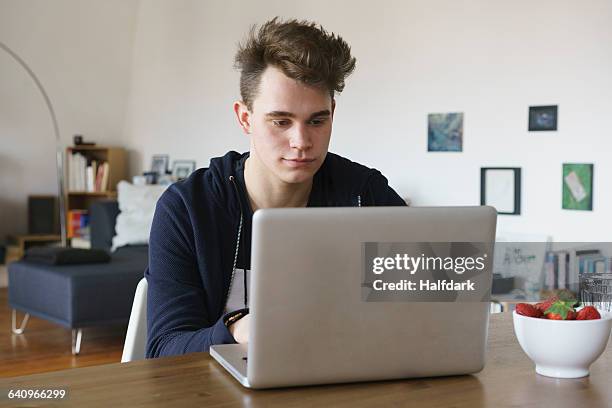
[[52, 255], [102, 219], [137, 206], [79, 295]]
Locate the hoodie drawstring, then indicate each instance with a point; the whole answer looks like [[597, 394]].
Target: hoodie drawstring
[[238, 237]]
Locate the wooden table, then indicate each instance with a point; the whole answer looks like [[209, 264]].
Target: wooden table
[[196, 380]]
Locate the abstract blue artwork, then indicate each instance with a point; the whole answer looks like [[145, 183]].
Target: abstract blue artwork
[[445, 132]]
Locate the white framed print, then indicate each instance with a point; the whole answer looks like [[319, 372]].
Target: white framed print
[[500, 187]]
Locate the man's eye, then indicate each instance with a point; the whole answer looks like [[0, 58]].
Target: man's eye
[[280, 122], [317, 122]]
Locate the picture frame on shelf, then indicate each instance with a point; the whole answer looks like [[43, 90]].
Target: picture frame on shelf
[[181, 169], [543, 118], [159, 164], [500, 187]]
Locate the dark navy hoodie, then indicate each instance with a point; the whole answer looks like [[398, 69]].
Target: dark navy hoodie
[[193, 244]]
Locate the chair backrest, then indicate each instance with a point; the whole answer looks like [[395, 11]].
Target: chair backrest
[[136, 337]]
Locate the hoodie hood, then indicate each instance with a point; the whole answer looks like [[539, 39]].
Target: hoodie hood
[[220, 185], [338, 182]]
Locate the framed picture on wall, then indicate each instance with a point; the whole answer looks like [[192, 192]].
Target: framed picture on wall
[[577, 186], [542, 118], [500, 187], [445, 132]]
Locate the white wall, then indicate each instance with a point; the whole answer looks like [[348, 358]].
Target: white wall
[[156, 77], [81, 50], [490, 60]]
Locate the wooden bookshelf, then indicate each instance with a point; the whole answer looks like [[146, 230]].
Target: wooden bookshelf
[[17, 245], [82, 201], [116, 157]]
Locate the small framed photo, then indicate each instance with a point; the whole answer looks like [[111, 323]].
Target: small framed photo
[[542, 118], [445, 132], [500, 187], [181, 169], [159, 164], [577, 186]]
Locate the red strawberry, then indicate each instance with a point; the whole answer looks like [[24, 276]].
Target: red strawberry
[[571, 315], [528, 310], [547, 303], [561, 310], [588, 313]]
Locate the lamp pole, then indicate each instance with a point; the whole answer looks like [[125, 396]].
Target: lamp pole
[[58, 145]]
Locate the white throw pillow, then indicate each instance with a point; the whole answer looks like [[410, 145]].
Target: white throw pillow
[[136, 206]]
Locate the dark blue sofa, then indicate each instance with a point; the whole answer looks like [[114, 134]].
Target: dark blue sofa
[[80, 296]]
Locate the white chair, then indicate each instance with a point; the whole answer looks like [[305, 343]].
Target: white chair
[[136, 337]]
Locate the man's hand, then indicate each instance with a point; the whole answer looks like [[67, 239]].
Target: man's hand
[[240, 329]]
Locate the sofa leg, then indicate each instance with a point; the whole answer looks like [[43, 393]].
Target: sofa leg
[[23, 324], [77, 334]]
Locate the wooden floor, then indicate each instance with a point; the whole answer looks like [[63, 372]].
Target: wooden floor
[[46, 346]]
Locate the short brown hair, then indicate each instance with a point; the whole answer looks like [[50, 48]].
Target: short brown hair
[[302, 50]]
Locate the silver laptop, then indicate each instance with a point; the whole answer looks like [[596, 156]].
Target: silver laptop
[[309, 321]]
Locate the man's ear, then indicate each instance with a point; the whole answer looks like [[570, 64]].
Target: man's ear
[[333, 107], [243, 115]]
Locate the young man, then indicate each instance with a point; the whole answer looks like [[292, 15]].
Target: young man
[[201, 235]]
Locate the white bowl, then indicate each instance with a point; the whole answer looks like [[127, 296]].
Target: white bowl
[[563, 348]]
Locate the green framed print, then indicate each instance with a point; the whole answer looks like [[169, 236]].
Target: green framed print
[[577, 186]]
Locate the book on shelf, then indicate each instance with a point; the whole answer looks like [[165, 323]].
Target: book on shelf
[[78, 223], [90, 178], [594, 263], [562, 269], [104, 180], [80, 242], [87, 175], [556, 270]]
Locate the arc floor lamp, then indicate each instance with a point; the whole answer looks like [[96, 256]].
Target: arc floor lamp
[[58, 145], [59, 157]]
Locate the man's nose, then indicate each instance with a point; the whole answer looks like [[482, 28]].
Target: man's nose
[[300, 138]]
